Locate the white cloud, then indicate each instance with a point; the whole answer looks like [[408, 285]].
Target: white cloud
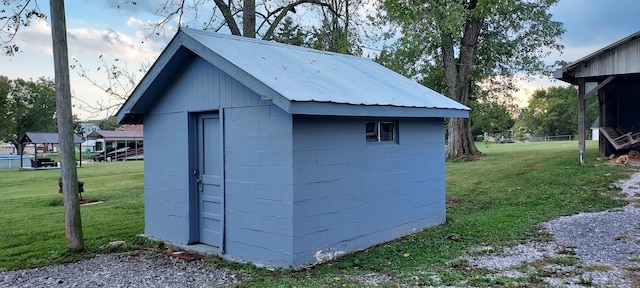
[[35, 37], [134, 22], [107, 42]]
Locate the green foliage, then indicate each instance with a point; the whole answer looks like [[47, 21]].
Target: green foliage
[[27, 106], [480, 44], [289, 33], [511, 40], [490, 117], [552, 111], [330, 36], [77, 127], [110, 123]]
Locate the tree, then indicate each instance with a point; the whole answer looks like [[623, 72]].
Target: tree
[[266, 19], [118, 83], [26, 106], [13, 16], [490, 117], [243, 18], [110, 123], [475, 41], [552, 112], [290, 33], [69, 173]]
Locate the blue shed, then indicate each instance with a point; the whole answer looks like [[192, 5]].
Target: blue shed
[[285, 156]]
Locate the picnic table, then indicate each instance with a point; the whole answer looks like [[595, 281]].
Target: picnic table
[[42, 162]]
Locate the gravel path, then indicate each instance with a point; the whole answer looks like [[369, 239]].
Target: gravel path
[[138, 269], [607, 243]]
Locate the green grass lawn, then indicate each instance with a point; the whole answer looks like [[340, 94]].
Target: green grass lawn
[[32, 217], [498, 200]]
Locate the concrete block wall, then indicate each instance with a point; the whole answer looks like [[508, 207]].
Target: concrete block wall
[[167, 171], [350, 194], [258, 185], [166, 184]]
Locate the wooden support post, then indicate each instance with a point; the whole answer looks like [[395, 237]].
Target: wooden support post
[[602, 144], [581, 112]]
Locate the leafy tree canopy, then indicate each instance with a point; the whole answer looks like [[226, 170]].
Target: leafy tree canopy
[[110, 123], [492, 118], [479, 45], [26, 106], [552, 112]]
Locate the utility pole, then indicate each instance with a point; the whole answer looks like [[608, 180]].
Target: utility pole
[[67, 152]]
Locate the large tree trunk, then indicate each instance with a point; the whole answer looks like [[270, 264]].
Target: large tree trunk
[[65, 126], [461, 145]]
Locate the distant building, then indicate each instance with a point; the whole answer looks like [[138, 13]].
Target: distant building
[[7, 149], [88, 127]]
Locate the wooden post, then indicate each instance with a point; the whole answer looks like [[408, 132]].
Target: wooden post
[[601, 111], [581, 112], [65, 126]]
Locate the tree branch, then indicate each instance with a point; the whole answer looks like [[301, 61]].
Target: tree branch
[[282, 12], [228, 17]]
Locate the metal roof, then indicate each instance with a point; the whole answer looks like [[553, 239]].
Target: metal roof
[[567, 72], [291, 75], [116, 135], [45, 138]]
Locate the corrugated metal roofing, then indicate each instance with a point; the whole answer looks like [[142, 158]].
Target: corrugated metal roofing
[[618, 58], [117, 135], [298, 80], [302, 74], [45, 138]]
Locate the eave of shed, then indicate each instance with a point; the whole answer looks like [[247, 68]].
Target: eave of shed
[[567, 73], [298, 80]]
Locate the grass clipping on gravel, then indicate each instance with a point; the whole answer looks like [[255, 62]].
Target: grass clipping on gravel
[[498, 200]]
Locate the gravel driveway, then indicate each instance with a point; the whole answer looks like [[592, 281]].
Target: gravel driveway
[[607, 244]]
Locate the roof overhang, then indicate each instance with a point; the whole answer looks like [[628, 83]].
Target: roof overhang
[[333, 109], [567, 73]]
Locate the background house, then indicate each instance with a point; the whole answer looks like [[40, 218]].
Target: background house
[[615, 72], [285, 156]]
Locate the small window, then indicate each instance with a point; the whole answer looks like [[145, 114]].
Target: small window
[[380, 131]]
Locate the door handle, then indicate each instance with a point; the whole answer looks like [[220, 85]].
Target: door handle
[[196, 172]]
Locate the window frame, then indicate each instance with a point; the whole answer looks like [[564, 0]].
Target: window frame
[[377, 134]]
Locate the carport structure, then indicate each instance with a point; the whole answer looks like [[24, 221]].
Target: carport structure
[[36, 138], [613, 75]]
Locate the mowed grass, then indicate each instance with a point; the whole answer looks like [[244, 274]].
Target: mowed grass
[[498, 200], [32, 216]]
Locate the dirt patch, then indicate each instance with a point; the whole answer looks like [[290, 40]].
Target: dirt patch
[[453, 202]]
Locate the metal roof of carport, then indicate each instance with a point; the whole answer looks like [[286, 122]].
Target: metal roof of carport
[[116, 135], [298, 80], [567, 73], [45, 138]]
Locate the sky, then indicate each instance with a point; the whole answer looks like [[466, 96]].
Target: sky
[[106, 30]]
